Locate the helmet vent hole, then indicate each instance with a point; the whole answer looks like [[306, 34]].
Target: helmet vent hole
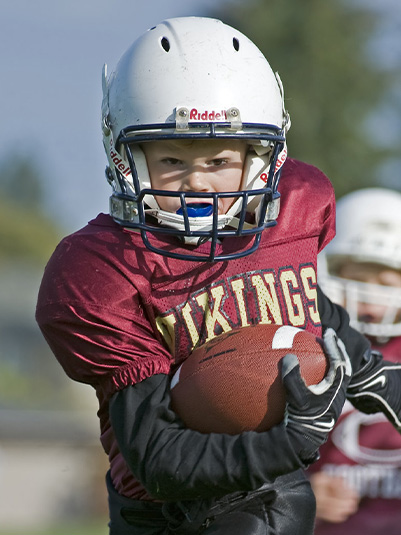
[[235, 44], [165, 44]]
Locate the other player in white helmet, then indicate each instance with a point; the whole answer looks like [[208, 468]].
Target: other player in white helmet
[[361, 267], [355, 479]]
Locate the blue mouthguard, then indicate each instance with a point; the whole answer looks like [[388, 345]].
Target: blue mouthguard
[[197, 209]]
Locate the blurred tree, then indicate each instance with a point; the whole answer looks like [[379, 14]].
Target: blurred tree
[[21, 181], [331, 84], [29, 375], [25, 231]]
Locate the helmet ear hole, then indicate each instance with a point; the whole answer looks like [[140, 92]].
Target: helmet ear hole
[[165, 44], [235, 44]]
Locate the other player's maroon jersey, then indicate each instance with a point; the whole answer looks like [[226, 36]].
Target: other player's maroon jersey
[[366, 451], [115, 313]]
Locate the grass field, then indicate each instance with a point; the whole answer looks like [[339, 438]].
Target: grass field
[[91, 528]]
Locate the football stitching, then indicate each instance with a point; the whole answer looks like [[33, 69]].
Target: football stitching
[[219, 354]]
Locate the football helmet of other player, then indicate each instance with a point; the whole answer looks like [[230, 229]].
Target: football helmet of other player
[[368, 233], [195, 78]]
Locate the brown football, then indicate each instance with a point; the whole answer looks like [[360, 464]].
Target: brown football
[[233, 383]]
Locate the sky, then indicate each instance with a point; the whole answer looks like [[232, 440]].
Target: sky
[[51, 57]]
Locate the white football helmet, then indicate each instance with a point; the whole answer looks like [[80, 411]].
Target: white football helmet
[[368, 231], [195, 78]]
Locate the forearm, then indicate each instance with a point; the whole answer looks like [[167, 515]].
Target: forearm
[[337, 318], [376, 384], [175, 463]]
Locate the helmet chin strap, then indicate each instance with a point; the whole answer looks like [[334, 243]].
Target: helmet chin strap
[[197, 224], [203, 223]]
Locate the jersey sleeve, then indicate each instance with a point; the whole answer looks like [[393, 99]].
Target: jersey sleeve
[[101, 347], [94, 319]]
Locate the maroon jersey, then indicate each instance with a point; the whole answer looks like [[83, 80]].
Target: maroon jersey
[[366, 451], [115, 313]]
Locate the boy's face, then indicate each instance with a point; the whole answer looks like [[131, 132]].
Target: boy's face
[[376, 274], [203, 165]]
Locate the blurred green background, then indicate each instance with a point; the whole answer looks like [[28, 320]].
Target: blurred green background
[[340, 62]]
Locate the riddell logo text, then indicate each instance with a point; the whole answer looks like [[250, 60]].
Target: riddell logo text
[[206, 115], [280, 162], [281, 159], [119, 163]]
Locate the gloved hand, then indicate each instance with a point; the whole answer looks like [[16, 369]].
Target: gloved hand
[[313, 411], [376, 387]]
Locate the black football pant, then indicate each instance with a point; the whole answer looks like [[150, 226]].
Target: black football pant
[[286, 507]]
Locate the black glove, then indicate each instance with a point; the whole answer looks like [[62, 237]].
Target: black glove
[[376, 387], [313, 411]]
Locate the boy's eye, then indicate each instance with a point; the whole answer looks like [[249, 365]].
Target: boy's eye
[[217, 162], [171, 161]]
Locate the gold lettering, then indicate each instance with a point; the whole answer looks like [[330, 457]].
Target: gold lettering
[[212, 317], [267, 298], [308, 278], [293, 300], [190, 324], [166, 328], [238, 289]]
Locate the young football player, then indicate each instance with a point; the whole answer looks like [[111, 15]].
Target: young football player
[[203, 237], [357, 479]]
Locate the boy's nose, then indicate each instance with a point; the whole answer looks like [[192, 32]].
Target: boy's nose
[[196, 181]]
